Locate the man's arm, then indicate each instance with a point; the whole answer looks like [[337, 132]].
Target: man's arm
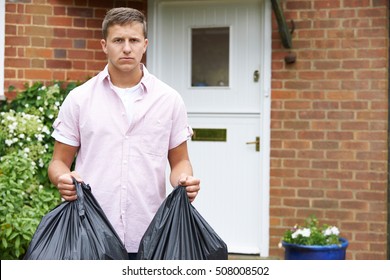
[[181, 170], [59, 170]]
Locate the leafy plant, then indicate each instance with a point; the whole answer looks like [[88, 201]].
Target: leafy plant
[[312, 233], [25, 151], [23, 203]]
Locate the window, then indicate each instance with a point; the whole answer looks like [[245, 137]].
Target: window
[[210, 57]]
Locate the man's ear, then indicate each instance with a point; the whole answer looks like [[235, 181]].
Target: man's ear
[[104, 45], [146, 45]]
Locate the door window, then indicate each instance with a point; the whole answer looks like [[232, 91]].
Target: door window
[[210, 57]]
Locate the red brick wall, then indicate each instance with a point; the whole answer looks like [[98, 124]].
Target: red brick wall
[[50, 40], [329, 122]]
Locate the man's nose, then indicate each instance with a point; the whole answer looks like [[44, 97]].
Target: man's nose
[[127, 47]]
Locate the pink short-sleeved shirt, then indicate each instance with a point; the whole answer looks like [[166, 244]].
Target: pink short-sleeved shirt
[[124, 163]]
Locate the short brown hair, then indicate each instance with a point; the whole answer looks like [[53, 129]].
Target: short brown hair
[[122, 16]]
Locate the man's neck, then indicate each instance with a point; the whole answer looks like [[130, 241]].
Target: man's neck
[[125, 79]]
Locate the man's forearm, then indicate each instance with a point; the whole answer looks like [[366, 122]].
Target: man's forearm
[[183, 167], [56, 169]]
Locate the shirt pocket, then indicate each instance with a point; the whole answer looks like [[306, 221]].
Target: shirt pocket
[[155, 136]]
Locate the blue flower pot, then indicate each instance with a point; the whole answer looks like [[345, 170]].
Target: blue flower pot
[[315, 252]]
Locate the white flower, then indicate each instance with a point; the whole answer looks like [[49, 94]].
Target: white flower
[[295, 234], [331, 230], [8, 142], [39, 137], [304, 232], [51, 116], [45, 130], [12, 126], [26, 150], [38, 97], [21, 136]]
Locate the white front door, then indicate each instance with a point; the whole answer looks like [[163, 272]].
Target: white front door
[[212, 53]]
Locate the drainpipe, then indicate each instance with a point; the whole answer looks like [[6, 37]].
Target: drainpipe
[[388, 169], [388, 147]]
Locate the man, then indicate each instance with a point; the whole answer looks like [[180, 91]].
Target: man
[[123, 124]]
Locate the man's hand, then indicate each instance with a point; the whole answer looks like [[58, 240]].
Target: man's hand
[[192, 186], [66, 187]]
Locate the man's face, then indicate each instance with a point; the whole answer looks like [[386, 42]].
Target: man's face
[[125, 46]]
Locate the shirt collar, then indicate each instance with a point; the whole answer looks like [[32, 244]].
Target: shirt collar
[[104, 75], [145, 79]]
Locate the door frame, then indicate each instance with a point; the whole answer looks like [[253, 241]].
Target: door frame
[[2, 43], [265, 97]]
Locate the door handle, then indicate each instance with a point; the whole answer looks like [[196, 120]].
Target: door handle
[[256, 76], [257, 143]]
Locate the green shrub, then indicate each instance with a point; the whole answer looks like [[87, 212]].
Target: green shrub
[[25, 151]]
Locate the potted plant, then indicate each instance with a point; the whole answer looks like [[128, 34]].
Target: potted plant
[[314, 242]]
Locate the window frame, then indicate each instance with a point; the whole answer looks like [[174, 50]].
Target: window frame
[[191, 85]]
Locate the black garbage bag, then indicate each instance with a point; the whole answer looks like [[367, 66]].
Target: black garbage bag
[[179, 232], [76, 230]]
